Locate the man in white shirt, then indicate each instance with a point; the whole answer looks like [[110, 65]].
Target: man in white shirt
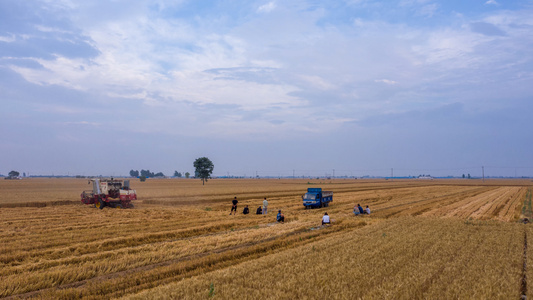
[[325, 219], [265, 204], [367, 210]]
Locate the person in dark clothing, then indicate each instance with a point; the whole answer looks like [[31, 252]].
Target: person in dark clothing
[[245, 211], [280, 217], [259, 211], [361, 210], [234, 207]]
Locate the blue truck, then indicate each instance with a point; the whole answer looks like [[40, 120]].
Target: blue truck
[[315, 197]]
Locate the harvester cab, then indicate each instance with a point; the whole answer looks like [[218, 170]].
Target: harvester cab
[[109, 192]]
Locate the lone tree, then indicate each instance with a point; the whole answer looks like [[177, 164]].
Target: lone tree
[[204, 168]]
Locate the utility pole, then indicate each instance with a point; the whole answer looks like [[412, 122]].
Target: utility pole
[[392, 174], [483, 172], [333, 173], [292, 173]]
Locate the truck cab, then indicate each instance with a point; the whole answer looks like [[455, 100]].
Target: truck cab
[[315, 197]]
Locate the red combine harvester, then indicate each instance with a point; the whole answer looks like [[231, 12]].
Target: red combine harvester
[[109, 192]]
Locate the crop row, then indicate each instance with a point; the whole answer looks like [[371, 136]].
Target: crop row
[[400, 258]]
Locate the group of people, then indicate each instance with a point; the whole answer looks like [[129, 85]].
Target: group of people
[[358, 210], [260, 210]]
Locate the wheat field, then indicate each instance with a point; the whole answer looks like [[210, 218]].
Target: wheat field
[[436, 239]]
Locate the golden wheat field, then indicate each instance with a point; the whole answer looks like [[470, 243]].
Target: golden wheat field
[[438, 239]]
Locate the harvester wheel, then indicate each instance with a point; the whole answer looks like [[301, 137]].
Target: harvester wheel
[[100, 204], [119, 206], [131, 205]]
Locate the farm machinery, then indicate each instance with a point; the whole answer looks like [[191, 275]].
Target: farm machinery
[[109, 192]]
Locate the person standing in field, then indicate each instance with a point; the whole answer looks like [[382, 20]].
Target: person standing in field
[[325, 219], [234, 206], [265, 205]]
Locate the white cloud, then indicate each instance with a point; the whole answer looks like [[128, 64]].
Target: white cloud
[[7, 39], [413, 2], [50, 29], [429, 10], [266, 8], [426, 8], [386, 81], [491, 2], [162, 62], [317, 82]]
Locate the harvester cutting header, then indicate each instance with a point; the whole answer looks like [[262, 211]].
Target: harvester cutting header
[[109, 192]]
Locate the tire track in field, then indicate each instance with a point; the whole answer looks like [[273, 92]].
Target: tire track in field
[[492, 206], [458, 202], [476, 207], [428, 201], [523, 281], [511, 210], [425, 286]]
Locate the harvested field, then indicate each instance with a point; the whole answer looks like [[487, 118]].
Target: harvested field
[[399, 258], [424, 239]]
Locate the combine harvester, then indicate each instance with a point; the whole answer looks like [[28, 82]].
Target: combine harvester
[[315, 197], [109, 192]]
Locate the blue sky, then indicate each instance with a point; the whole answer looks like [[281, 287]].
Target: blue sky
[[267, 87]]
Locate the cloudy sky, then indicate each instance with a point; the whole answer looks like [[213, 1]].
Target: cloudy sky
[[267, 87]]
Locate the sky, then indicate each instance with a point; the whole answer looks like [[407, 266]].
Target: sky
[[267, 88]]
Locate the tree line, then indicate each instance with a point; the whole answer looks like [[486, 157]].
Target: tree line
[[148, 174], [203, 170], [145, 173]]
